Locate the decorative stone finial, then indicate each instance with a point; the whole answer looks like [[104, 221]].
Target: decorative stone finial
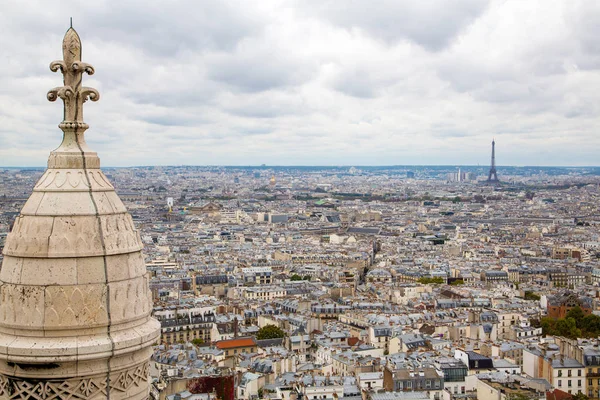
[[72, 93], [73, 151]]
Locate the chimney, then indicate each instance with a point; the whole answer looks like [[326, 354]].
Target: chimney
[[235, 327]]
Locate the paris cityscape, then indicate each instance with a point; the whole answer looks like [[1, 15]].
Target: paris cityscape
[[415, 282], [263, 253]]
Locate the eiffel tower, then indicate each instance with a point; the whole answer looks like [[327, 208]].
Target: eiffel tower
[[493, 177]]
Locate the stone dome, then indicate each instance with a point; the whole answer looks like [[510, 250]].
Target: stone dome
[[75, 304]]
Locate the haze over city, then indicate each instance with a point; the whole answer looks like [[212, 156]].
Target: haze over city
[[311, 82]]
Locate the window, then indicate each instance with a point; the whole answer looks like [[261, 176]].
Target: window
[[560, 383], [569, 383], [569, 373], [560, 372], [578, 372]]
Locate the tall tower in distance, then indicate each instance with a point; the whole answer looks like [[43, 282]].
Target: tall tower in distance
[[75, 305], [493, 176]]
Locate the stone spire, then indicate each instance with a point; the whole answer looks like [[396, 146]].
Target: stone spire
[[74, 299], [73, 151]]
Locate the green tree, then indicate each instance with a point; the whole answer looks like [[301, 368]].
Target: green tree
[[547, 325], [519, 396], [529, 295], [457, 282], [535, 323], [580, 396], [425, 280], [567, 327], [197, 342], [295, 277], [591, 324], [577, 314], [306, 278], [270, 332]]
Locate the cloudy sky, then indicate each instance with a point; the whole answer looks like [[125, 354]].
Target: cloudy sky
[[310, 82]]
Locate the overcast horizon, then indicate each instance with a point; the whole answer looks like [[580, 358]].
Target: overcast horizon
[[309, 82]]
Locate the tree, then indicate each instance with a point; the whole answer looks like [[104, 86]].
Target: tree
[[568, 327], [295, 277], [580, 396], [519, 396], [306, 278], [529, 295], [270, 332], [590, 324], [577, 314], [197, 342], [425, 280]]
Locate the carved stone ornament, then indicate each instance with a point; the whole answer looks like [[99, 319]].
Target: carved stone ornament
[[75, 389], [72, 93]]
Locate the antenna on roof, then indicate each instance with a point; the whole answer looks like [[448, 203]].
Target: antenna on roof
[[71, 22]]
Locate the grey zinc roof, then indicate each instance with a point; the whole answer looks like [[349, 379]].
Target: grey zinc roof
[[566, 363]]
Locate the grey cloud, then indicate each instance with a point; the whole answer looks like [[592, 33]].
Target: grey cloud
[[582, 17], [265, 105], [465, 75], [259, 71], [306, 81], [166, 120], [356, 83], [251, 77], [168, 28], [429, 23]]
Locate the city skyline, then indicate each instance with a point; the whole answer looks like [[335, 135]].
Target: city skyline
[[297, 83]]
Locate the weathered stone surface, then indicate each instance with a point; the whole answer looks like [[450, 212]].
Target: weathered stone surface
[[74, 299]]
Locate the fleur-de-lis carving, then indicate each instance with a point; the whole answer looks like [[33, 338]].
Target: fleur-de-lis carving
[[72, 68]]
